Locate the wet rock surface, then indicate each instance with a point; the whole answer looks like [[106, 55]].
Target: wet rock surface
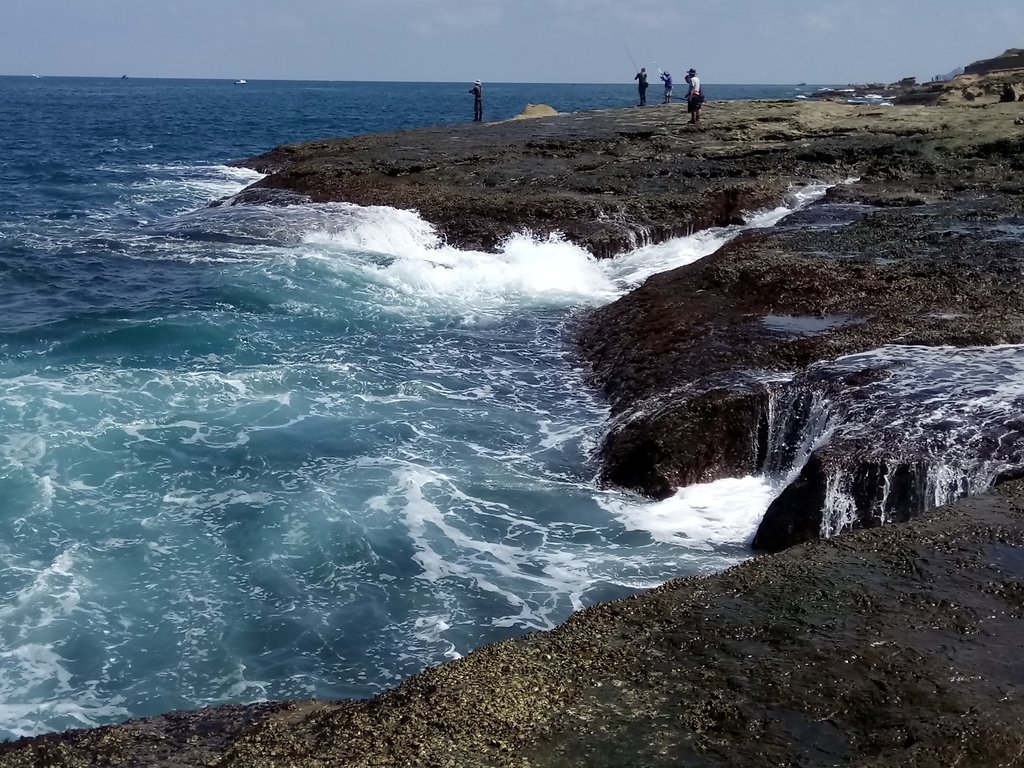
[[925, 248], [891, 646], [778, 301]]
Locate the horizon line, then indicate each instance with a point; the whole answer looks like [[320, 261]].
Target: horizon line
[[34, 76]]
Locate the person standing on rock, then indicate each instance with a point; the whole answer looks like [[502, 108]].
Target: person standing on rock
[[478, 101], [695, 96], [666, 78], [641, 84]]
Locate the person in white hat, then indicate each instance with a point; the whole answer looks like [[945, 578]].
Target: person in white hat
[[695, 97], [478, 101]]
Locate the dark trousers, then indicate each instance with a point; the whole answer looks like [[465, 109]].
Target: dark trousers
[[478, 110], [643, 95]]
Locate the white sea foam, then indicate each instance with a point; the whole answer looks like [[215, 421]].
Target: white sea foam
[[631, 269], [375, 229], [43, 691], [410, 258], [53, 593], [429, 630], [237, 685], [197, 182], [36, 682], [448, 551], [701, 516]]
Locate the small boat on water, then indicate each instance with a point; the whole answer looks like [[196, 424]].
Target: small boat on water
[[239, 82]]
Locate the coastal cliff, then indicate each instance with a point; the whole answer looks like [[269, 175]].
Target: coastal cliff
[[896, 645]]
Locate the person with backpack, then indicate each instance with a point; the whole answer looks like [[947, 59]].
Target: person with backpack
[[695, 96]]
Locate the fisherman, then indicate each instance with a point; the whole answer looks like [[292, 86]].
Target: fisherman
[[695, 96], [478, 101], [667, 79], [641, 78]]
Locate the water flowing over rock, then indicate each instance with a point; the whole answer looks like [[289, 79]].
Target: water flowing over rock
[[692, 361], [885, 436]]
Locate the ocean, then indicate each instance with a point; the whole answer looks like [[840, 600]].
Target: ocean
[[254, 453]]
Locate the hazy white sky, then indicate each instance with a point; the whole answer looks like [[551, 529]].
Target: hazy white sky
[[729, 41]]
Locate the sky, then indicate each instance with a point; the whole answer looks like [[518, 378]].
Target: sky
[[561, 41]]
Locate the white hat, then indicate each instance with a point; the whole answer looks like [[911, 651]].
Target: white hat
[[477, 82]]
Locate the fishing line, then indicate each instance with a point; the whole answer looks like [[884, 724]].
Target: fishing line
[[630, 53]]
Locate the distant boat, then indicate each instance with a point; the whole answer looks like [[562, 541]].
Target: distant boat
[[124, 77], [239, 82], [36, 75]]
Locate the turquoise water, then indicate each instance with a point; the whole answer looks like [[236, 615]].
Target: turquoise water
[[251, 453]]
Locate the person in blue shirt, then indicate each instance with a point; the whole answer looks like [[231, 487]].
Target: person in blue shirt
[[666, 78]]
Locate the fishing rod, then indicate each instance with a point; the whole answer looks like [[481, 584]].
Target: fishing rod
[[630, 53]]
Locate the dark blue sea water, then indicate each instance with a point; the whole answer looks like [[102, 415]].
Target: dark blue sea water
[[252, 453]]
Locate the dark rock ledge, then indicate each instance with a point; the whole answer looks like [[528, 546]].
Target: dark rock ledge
[[684, 358], [609, 180], [892, 646], [917, 252]]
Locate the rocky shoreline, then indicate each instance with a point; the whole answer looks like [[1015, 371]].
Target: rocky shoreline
[[998, 78], [896, 645], [892, 646], [686, 359]]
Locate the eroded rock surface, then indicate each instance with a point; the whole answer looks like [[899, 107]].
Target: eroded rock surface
[[608, 180], [910, 275]]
